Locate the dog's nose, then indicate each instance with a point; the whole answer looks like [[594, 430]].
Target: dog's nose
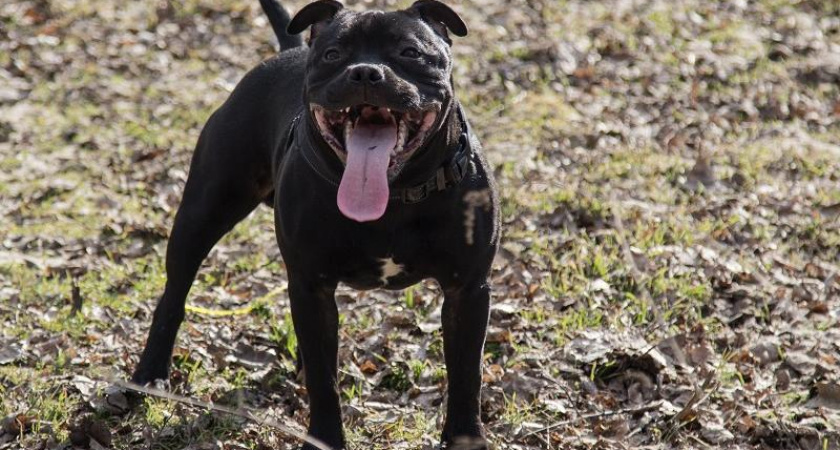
[[365, 74]]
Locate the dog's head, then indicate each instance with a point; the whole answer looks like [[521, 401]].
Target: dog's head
[[377, 85]]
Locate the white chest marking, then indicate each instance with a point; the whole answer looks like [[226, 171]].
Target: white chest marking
[[389, 269]]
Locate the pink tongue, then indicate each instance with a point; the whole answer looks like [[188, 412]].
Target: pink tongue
[[363, 193]]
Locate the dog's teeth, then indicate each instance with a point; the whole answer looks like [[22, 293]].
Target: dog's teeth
[[402, 133], [348, 128]]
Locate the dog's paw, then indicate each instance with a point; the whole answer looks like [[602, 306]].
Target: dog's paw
[[465, 443], [150, 376], [308, 446], [125, 396]]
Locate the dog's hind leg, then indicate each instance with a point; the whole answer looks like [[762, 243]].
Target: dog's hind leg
[[223, 188]]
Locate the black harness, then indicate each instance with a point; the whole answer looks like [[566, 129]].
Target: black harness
[[449, 174]]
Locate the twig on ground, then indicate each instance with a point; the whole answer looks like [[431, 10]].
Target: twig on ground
[[644, 408], [75, 298], [827, 283], [701, 393], [236, 311], [238, 412]]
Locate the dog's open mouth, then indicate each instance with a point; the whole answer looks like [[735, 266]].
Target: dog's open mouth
[[411, 129], [374, 144]]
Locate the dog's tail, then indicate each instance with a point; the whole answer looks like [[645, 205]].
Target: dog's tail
[[279, 19]]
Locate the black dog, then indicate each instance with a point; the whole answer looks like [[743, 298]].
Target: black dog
[[376, 181]]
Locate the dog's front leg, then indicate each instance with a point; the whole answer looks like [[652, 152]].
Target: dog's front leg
[[214, 201], [315, 317], [465, 314]]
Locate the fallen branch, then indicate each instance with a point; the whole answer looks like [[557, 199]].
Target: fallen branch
[[600, 415], [701, 393], [236, 311], [244, 413]]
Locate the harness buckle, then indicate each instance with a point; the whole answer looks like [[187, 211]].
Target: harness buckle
[[440, 179], [416, 194]]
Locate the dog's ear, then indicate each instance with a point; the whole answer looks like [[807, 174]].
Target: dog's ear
[[441, 17], [317, 15]]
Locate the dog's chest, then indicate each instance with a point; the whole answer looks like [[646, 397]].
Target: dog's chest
[[401, 249], [390, 272], [389, 269]]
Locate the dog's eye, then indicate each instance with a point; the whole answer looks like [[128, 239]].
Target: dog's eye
[[332, 54], [411, 52]]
